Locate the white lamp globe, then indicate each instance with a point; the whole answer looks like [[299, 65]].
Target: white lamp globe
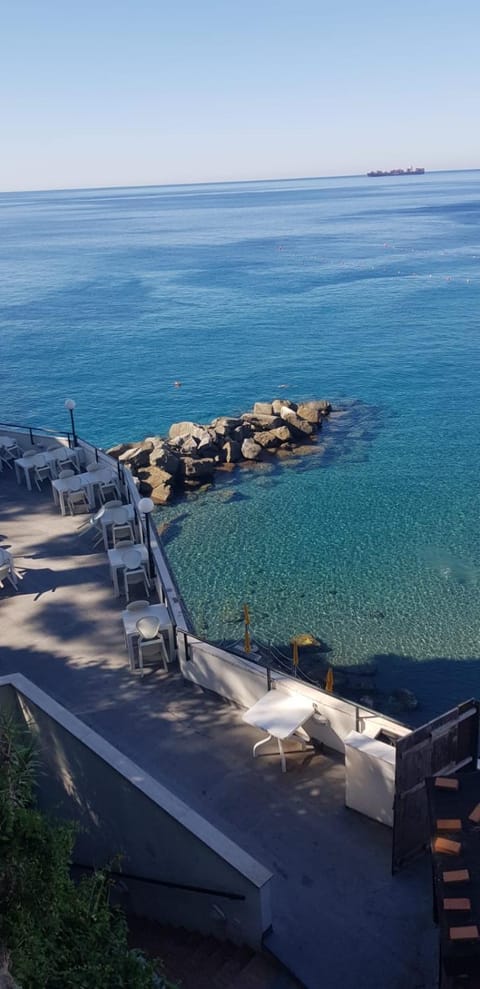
[[146, 505], [70, 404]]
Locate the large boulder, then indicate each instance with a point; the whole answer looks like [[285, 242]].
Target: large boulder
[[262, 408], [225, 425], [299, 427], [267, 439], [186, 429], [156, 484], [206, 447], [251, 450], [188, 446], [162, 456], [240, 433], [282, 434], [231, 452], [279, 403], [261, 421], [116, 451], [310, 412], [195, 469], [137, 456]]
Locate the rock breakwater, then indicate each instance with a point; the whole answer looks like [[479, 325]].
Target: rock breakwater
[[192, 453]]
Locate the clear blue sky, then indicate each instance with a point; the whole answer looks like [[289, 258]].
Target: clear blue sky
[[164, 91]]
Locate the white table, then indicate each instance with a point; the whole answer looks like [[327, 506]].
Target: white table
[[86, 481], [130, 619], [117, 562], [281, 715], [51, 457], [110, 517]]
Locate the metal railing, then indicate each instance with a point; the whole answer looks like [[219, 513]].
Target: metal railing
[[166, 883], [37, 431]]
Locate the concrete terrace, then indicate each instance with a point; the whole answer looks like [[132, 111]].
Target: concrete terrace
[[339, 918]]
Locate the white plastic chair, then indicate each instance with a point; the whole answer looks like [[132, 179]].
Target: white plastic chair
[[137, 605], [122, 532], [41, 470], [151, 644], [134, 573], [77, 501], [66, 473], [108, 492], [7, 457], [12, 446]]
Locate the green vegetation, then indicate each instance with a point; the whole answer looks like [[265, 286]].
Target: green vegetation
[[54, 933]]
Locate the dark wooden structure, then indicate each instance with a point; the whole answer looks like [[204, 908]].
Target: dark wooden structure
[[454, 827], [446, 745]]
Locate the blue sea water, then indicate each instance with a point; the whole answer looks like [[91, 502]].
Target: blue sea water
[[364, 291]]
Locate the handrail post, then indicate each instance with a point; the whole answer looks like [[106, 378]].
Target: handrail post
[[31, 436]]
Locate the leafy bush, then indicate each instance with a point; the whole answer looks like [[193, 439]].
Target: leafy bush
[[56, 934]]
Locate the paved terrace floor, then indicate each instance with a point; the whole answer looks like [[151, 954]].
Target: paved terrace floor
[[340, 919]]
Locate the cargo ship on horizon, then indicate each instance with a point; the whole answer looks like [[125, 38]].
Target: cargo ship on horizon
[[397, 171]]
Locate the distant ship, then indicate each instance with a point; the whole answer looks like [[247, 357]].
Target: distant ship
[[397, 171]]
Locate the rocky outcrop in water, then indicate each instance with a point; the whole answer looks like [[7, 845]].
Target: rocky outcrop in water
[[191, 454]]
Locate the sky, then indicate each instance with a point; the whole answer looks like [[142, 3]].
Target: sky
[[177, 91]]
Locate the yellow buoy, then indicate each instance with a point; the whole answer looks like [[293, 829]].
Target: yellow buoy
[[329, 681]]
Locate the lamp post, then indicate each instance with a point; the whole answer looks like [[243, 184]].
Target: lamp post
[[70, 405], [146, 506]]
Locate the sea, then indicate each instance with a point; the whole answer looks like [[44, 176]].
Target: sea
[[362, 291]]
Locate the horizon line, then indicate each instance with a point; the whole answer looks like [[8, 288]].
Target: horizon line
[[183, 185]]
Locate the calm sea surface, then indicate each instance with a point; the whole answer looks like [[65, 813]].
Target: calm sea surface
[[363, 291]]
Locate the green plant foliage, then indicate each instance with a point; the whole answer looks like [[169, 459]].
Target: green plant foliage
[[57, 934]]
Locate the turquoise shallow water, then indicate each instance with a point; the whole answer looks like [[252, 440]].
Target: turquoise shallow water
[[351, 289]]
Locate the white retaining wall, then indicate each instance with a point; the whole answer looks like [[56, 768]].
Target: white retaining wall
[[243, 682], [122, 810]]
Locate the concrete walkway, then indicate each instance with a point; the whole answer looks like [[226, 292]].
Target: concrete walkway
[[340, 919]]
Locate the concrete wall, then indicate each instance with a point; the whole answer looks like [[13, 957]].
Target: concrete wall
[[123, 811], [242, 682]]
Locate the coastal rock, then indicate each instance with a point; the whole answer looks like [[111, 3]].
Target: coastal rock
[[186, 429], [162, 456], [262, 408], [282, 434], [241, 433], [309, 412], [283, 403], [224, 425], [188, 446], [206, 448], [195, 469], [299, 426], [140, 457], [156, 484], [116, 451], [231, 451], [193, 452], [250, 450], [267, 439]]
